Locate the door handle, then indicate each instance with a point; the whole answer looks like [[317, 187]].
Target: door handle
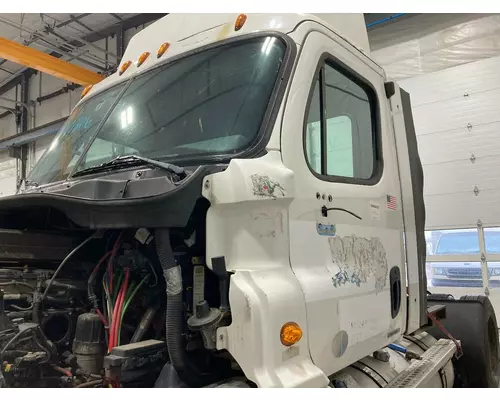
[[325, 209]]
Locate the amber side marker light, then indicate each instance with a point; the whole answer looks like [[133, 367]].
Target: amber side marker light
[[124, 67], [144, 56], [162, 50], [290, 334], [86, 90], [240, 21]]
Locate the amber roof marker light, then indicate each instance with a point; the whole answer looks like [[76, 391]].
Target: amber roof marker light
[[144, 56], [86, 90], [163, 49], [124, 67], [240, 21]]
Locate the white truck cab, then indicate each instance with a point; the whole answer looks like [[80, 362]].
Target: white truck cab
[[305, 156]]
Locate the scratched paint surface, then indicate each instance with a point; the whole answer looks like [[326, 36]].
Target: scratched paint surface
[[265, 187], [358, 260], [267, 224]]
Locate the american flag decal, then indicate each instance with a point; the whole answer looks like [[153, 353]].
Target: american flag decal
[[391, 202]]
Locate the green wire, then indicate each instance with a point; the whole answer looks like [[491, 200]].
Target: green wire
[[127, 297], [127, 302], [115, 292], [108, 297]]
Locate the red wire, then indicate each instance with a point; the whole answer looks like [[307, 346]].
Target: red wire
[[63, 371], [103, 320], [112, 328], [101, 261], [115, 321], [120, 306], [111, 259]]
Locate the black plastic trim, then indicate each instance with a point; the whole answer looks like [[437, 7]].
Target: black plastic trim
[[169, 209], [417, 179]]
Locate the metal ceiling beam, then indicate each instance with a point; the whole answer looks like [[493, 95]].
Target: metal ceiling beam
[[33, 134], [116, 16], [44, 62], [129, 23], [65, 49], [77, 21], [69, 21]]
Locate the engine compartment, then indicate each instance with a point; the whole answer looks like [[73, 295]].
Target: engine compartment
[[112, 308]]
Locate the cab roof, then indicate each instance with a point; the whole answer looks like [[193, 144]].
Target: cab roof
[[182, 35]]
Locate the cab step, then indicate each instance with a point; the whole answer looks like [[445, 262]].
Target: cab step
[[419, 372]]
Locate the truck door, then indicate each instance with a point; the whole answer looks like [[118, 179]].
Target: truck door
[[346, 228]]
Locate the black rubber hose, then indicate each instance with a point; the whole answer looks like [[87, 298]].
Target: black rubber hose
[[37, 298], [186, 370]]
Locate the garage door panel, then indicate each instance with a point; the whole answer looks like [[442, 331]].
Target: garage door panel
[[462, 210], [462, 176], [458, 113], [8, 174], [452, 83], [460, 144]]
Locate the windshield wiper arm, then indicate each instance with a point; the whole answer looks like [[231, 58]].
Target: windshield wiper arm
[[133, 159]]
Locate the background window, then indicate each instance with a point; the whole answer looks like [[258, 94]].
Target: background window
[[349, 148]]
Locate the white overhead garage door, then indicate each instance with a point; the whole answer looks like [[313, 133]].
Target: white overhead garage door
[[8, 174], [457, 121]]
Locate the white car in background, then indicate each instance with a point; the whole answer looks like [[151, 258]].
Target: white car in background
[[465, 274]]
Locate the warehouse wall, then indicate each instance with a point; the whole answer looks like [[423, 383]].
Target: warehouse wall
[[450, 66], [48, 111], [426, 43]]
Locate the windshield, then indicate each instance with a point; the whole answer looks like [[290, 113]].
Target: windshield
[[468, 243], [209, 103]]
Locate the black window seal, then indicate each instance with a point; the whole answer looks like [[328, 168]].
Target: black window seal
[[258, 146], [378, 165]]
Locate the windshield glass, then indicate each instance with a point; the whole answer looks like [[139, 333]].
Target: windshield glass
[[209, 103], [468, 243]]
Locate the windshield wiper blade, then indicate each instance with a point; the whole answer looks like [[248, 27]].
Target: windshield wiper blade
[[121, 161]]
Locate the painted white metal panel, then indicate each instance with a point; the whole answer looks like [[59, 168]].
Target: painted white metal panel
[[351, 26]]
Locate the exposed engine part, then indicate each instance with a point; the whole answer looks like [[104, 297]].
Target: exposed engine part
[[135, 361], [58, 326], [205, 320], [5, 322], [144, 325], [99, 315], [88, 345], [27, 246]]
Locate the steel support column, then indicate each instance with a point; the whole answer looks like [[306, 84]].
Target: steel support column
[[120, 43], [24, 149]]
